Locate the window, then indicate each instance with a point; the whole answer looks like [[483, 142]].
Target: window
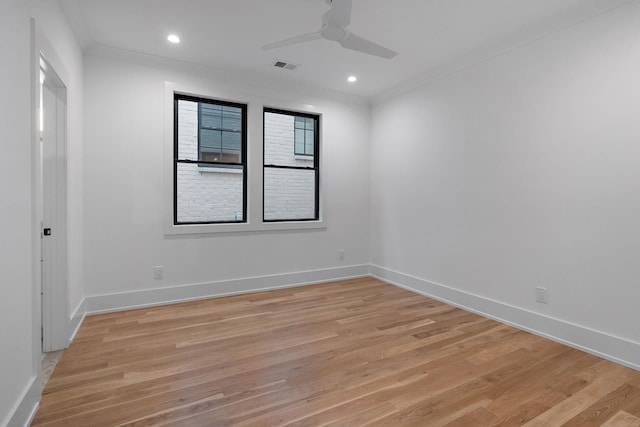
[[210, 161], [291, 166]]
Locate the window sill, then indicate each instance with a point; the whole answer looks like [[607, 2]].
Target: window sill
[[242, 228], [207, 169], [303, 157]]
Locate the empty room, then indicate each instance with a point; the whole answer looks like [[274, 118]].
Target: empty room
[[320, 212]]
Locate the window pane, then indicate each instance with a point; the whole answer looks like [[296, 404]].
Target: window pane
[[220, 133], [187, 130], [299, 141], [230, 158], [279, 136], [309, 142], [210, 140], [231, 119], [210, 116], [207, 196], [289, 194], [282, 140], [231, 143]]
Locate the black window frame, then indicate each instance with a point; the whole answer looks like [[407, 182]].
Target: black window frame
[[202, 163], [316, 162]]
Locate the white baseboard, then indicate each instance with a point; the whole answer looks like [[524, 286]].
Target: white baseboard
[[615, 349], [76, 319], [27, 406], [159, 296]]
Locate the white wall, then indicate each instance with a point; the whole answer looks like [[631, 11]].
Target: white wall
[[19, 292], [16, 293], [124, 239], [518, 172]]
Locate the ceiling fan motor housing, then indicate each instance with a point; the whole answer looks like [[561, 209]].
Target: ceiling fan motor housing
[[334, 33]]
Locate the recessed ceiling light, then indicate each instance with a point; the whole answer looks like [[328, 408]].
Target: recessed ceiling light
[[352, 79], [173, 38]]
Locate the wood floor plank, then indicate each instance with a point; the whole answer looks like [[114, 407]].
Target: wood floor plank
[[604, 378], [349, 353], [621, 398], [622, 419]]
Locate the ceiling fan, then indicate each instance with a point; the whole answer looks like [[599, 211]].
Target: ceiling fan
[[334, 28]]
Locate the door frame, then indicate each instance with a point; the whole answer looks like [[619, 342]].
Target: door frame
[[51, 328], [55, 254]]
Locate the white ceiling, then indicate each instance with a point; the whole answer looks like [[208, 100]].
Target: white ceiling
[[432, 37]]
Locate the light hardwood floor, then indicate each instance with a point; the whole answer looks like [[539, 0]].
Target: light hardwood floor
[[350, 353]]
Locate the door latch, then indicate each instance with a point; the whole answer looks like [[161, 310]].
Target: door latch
[[47, 232]]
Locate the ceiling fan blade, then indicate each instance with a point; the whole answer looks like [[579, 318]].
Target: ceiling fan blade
[[340, 13], [363, 45], [293, 40]]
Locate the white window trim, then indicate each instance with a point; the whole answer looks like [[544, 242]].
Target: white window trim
[[255, 107]]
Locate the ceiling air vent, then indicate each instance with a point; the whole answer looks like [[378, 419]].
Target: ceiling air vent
[[285, 65]]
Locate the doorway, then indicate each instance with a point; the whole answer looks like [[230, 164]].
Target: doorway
[[53, 200]]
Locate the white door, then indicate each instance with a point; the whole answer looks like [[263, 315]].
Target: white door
[[55, 321]]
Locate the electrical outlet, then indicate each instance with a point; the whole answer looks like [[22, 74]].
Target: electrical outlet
[[341, 254], [542, 295], [158, 272]]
